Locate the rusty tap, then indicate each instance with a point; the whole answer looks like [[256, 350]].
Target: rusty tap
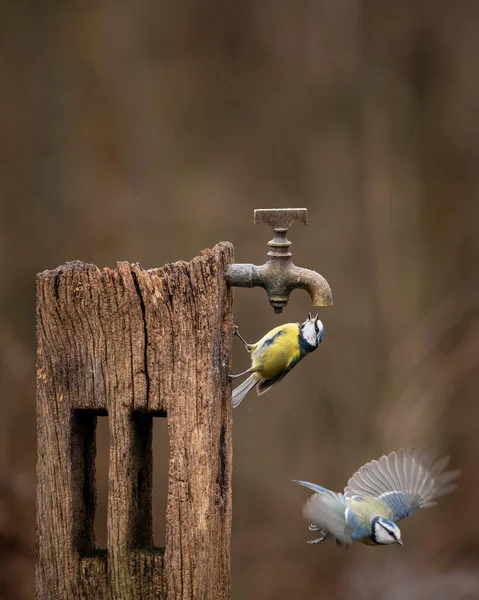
[[279, 276]]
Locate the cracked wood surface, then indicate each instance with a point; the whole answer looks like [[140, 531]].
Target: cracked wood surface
[[134, 344]]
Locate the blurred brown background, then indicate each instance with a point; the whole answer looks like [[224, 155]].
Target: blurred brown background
[[149, 130]]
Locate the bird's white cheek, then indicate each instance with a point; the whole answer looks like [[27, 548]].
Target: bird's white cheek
[[383, 537], [309, 334]]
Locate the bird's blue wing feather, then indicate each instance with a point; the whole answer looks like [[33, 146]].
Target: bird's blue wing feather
[[400, 506], [269, 340]]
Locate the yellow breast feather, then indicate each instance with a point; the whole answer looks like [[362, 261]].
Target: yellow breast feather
[[277, 351]]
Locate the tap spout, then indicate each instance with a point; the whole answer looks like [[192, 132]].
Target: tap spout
[[314, 283], [279, 278]]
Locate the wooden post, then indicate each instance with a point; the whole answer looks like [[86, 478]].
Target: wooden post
[[134, 345]]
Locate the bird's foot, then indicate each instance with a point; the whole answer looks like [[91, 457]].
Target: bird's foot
[[238, 334], [318, 540]]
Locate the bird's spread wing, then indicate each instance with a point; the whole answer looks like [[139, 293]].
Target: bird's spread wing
[[404, 480], [326, 510]]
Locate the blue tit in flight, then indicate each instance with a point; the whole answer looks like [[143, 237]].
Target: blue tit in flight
[[377, 496], [276, 354]]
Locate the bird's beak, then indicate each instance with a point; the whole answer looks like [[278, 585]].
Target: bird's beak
[[399, 541]]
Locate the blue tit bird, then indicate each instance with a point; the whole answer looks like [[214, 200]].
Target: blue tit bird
[[276, 354], [377, 496]]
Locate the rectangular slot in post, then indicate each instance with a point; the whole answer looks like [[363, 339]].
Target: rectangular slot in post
[[161, 461], [83, 480], [141, 480], [142, 477]]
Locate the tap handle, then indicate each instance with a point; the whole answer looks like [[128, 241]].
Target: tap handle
[[280, 219]]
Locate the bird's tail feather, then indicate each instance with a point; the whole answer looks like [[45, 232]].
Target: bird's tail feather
[[240, 392], [312, 486]]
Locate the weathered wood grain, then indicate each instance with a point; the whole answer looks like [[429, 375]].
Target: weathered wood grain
[[135, 345]]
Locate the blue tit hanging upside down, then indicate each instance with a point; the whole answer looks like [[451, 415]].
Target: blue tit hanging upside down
[[276, 354], [379, 494]]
